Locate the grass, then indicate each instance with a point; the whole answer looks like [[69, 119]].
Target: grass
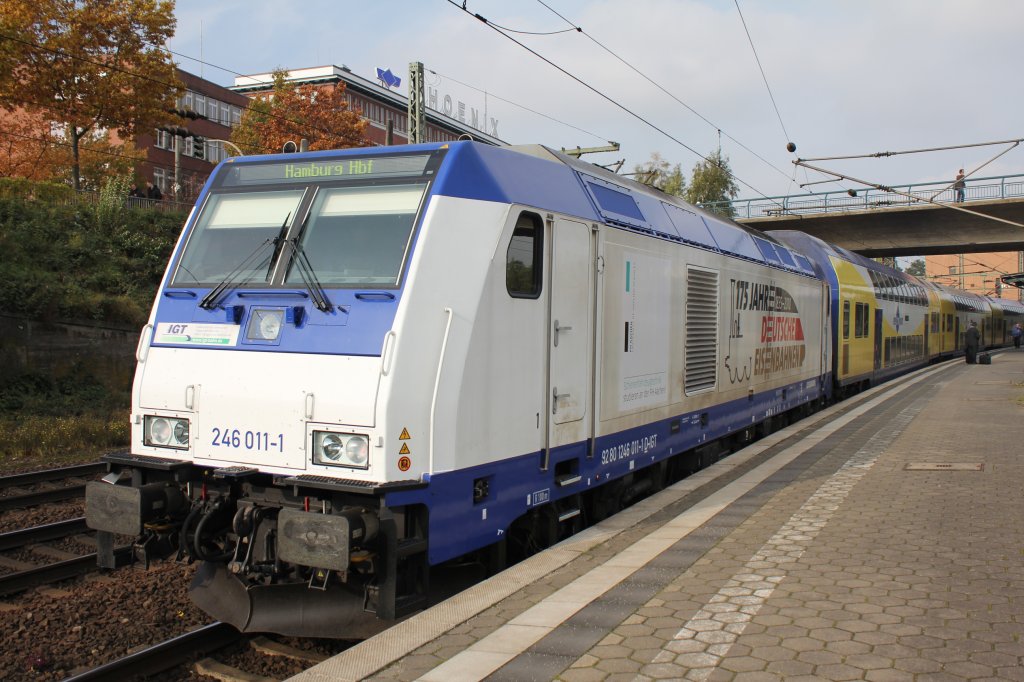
[[45, 442]]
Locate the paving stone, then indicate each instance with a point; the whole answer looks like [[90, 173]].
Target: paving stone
[[826, 570]]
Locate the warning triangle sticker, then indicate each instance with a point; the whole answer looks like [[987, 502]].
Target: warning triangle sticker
[[404, 450], [405, 435]]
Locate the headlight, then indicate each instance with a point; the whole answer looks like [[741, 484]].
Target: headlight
[[341, 449], [165, 432], [265, 324]]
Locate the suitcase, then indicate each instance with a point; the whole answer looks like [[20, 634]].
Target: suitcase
[[984, 359]]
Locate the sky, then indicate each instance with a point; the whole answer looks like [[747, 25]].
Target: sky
[[847, 78]]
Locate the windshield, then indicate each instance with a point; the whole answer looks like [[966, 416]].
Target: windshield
[[230, 228], [359, 235]]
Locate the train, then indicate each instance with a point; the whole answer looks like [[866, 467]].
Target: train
[[366, 364]]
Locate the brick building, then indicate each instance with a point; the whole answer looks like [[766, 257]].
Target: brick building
[[378, 104], [978, 273], [216, 111]]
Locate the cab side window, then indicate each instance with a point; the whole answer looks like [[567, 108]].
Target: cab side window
[[524, 258]]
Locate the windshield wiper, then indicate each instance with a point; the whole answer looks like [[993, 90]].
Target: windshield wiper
[[308, 275], [217, 294]]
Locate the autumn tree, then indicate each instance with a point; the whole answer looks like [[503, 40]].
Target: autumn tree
[[317, 114], [27, 149], [658, 173], [30, 149], [88, 67], [712, 181]]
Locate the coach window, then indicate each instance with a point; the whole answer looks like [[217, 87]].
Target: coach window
[[846, 319], [523, 259], [860, 322]]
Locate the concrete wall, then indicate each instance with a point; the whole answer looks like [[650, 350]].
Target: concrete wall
[[56, 349]]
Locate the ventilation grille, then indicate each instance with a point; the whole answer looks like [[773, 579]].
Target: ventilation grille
[[701, 330]]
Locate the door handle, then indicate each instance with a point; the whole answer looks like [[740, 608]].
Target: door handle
[[555, 397], [560, 329]]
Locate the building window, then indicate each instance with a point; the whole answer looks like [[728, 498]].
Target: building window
[[163, 140], [201, 104], [214, 151], [160, 179], [523, 258], [236, 116]]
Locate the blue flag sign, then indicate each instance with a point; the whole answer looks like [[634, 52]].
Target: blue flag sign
[[388, 79]]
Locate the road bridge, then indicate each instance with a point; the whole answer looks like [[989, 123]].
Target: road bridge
[[888, 222]]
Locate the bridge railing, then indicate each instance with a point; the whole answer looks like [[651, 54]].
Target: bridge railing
[[977, 189]]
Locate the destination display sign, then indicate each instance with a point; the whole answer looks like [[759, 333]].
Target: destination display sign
[[324, 170]]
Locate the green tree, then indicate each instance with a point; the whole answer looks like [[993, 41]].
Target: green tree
[[916, 267], [658, 173], [320, 115], [712, 181], [88, 66]]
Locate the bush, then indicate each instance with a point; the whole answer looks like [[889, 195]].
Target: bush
[[101, 263]]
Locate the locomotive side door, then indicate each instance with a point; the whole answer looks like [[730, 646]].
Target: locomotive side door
[[570, 332]]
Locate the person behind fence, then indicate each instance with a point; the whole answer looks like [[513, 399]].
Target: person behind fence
[[959, 186], [153, 192], [972, 340], [135, 193], [1016, 333]]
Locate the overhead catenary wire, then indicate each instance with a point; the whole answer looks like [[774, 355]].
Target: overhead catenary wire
[[876, 155], [601, 94], [978, 168], [884, 188], [667, 92], [436, 73], [91, 150], [761, 67], [516, 104], [300, 125]]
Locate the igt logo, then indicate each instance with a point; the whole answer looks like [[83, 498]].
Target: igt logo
[[177, 328]]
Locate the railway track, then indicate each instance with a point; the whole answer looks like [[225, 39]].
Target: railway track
[[61, 569], [203, 650], [172, 653], [16, 498]]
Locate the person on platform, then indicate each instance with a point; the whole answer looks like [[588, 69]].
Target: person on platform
[[1016, 333], [972, 341], [959, 186]]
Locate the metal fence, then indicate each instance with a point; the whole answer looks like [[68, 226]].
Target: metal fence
[[977, 189], [90, 198]]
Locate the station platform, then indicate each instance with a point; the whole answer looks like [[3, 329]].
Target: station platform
[[880, 539]]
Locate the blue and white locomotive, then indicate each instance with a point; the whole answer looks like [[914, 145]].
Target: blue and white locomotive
[[364, 363]]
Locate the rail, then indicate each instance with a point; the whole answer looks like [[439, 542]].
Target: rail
[[12, 583], [977, 189], [164, 656]]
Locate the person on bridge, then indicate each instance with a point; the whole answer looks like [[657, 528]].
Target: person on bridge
[[959, 186], [972, 340]]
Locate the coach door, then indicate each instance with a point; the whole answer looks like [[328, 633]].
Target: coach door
[[878, 338], [570, 333]]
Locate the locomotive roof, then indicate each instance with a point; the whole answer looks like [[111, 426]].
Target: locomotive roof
[[536, 175]]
